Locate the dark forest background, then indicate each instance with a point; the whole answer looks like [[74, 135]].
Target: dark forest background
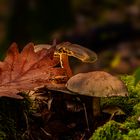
[[101, 25]]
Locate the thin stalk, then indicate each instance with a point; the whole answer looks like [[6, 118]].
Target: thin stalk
[[64, 61], [86, 117]]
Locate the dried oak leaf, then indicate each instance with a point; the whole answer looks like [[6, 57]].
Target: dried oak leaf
[[27, 70]]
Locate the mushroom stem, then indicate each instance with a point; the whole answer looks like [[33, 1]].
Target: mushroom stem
[[64, 61], [96, 106]]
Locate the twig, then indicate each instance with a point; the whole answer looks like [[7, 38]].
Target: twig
[[86, 117], [46, 133], [27, 125], [27, 122], [82, 137]]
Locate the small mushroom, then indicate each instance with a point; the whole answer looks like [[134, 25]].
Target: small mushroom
[[66, 49], [78, 51], [113, 111], [96, 84]]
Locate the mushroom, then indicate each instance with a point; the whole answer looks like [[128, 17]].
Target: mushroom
[[113, 111], [66, 49], [96, 84]]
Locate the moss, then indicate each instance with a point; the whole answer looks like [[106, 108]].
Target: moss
[[132, 123], [136, 109], [129, 130], [132, 135], [110, 131], [129, 80]]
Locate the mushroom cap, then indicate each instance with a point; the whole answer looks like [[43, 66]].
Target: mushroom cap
[[97, 84], [113, 110], [80, 52]]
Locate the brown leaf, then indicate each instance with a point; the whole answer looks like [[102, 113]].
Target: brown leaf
[[28, 70]]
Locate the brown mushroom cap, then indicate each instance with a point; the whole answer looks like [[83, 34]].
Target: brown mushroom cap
[[113, 110], [70, 49], [97, 84]]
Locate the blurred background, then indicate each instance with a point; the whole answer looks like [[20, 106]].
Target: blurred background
[[110, 28]]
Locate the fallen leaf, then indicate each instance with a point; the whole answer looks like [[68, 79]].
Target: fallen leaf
[[27, 70]]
